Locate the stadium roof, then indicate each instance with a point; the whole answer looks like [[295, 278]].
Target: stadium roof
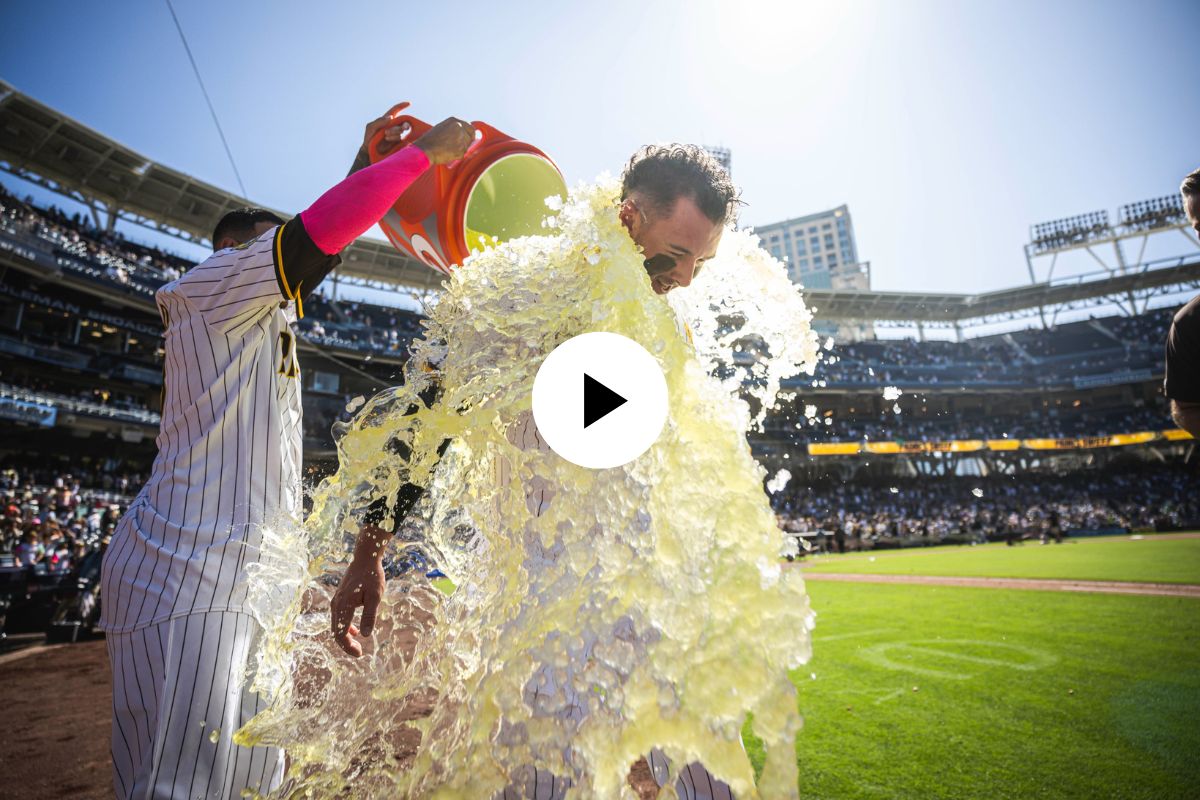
[[906, 307], [53, 150]]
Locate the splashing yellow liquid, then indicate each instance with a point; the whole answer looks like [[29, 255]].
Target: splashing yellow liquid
[[597, 613]]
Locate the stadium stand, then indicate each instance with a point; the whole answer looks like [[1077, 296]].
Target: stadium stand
[[81, 302], [1033, 357], [1066, 419], [881, 511], [54, 526], [1113, 348], [110, 259]]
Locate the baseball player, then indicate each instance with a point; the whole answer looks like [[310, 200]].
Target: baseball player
[[228, 463], [676, 201]]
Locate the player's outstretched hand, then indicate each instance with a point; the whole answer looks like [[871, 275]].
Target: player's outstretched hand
[[447, 141], [393, 135], [361, 586]]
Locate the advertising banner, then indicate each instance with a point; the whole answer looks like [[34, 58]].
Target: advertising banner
[[974, 445], [22, 411]]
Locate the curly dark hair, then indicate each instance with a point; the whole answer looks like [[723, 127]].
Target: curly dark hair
[[664, 173]]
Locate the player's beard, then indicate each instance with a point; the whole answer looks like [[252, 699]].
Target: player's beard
[[657, 265]]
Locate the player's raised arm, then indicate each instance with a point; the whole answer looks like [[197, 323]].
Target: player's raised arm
[[259, 263], [362, 584]]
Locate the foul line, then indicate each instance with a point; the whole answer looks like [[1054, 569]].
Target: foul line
[[32, 650]]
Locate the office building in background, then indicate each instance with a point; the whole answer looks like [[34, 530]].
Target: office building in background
[[820, 253], [722, 155]]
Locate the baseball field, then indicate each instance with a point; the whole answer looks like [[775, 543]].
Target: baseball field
[[937, 691], [915, 690]]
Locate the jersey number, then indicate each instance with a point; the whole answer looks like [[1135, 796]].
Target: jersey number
[[288, 367]]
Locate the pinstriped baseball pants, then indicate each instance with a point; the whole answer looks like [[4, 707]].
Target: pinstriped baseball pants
[[178, 697]]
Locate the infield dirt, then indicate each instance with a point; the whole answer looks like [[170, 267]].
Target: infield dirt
[[57, 698]]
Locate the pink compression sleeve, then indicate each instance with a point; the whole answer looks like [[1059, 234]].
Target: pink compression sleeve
[[346, 211]]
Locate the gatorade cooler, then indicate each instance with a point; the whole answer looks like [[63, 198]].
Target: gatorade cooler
[[494, 193]]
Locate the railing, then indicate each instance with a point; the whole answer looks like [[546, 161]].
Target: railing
[[76, 405]]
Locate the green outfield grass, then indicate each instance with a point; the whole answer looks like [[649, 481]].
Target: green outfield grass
[[941, 692], [1163, 560]]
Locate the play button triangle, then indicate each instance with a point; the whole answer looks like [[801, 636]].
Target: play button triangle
[[598, 400]]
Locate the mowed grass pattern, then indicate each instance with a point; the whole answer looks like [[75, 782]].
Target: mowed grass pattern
[[1155, 560], [942, 692]]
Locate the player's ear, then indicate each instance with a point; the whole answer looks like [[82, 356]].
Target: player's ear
[[225, 243], [630, 216]]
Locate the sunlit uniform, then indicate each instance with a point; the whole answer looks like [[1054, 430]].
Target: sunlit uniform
[[228, 463]]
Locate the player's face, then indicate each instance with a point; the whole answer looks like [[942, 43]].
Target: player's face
[[675, 244], [1191, 206]]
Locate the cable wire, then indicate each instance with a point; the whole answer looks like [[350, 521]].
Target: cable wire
[[323, 353], [204, 91]]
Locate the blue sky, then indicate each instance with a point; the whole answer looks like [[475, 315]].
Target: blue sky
[[948, 127]]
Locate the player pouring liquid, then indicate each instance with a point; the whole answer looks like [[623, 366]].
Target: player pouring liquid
[[180, 632]]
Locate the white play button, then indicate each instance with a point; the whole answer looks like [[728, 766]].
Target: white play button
[[600, 400]]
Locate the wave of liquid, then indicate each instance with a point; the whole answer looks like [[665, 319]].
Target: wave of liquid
[[597, 613]]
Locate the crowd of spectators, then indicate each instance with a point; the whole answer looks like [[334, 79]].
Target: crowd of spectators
[[50, 520], [100, 401], [1049, 423], [1026, 358], [1092, 346], [358, 326], [880, 511], [1141, 331], [47, 516], [344, 324], [122, 261]]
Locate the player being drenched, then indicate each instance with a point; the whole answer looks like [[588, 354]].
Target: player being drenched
[[675, 203], [228, 463]]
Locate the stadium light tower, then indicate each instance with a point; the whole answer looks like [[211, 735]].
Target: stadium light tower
[[1137, 225]]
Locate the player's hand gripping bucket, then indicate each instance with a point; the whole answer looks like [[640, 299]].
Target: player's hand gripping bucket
[[496, 192]]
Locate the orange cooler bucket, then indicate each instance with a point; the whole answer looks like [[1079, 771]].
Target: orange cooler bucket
[[496, 192]]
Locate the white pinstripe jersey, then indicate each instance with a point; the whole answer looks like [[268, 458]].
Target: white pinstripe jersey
[[229, 447]]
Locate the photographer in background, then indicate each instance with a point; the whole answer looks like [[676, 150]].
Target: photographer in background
[[1182, 380]]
